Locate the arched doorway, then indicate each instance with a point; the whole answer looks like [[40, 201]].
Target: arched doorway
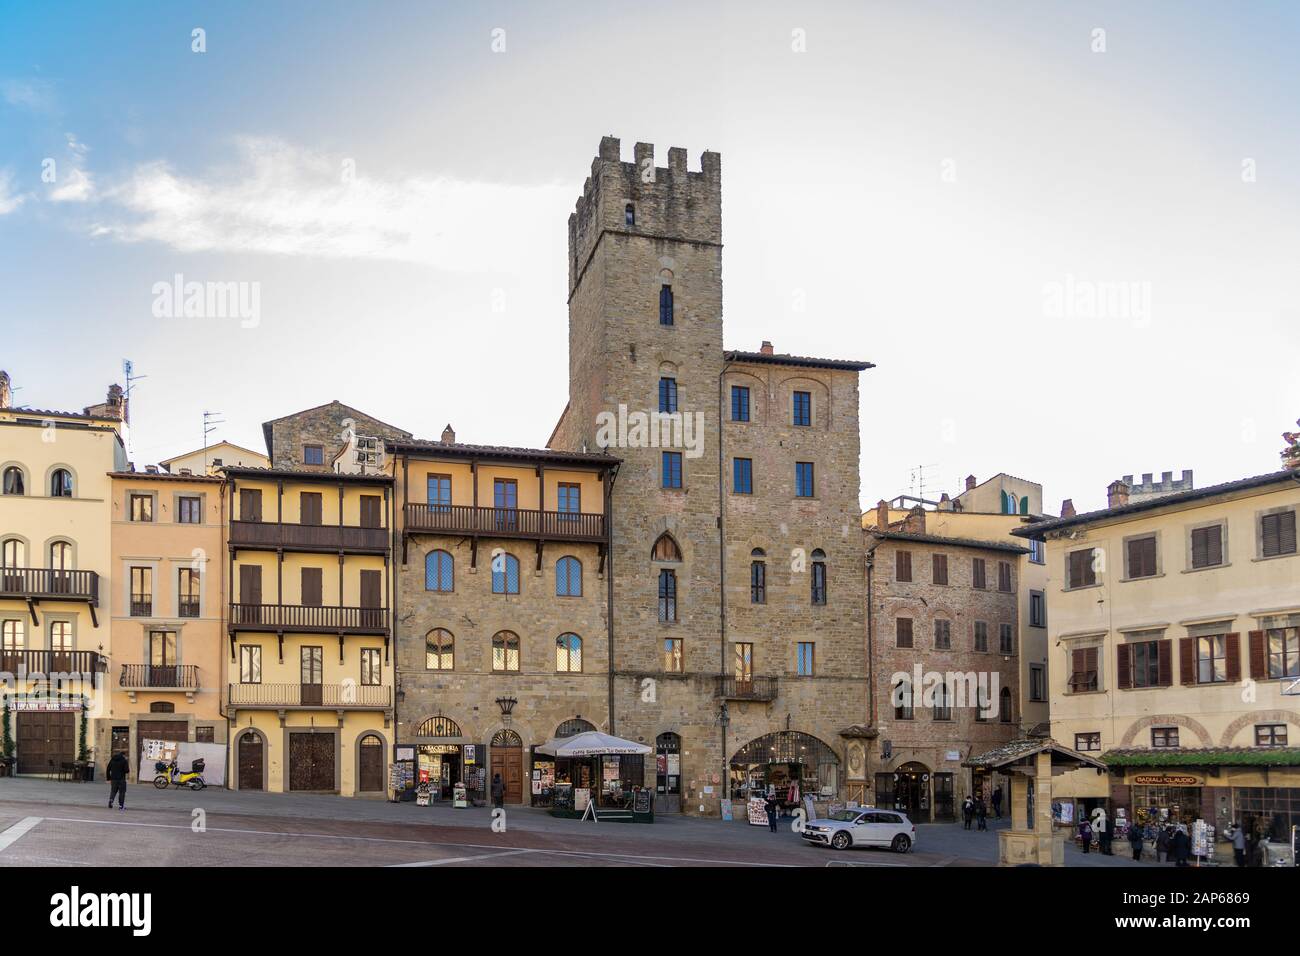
[[912, 791], [370, 764], [782, 758], [439, 755], [668, 772], [507, 759], [251, 761]]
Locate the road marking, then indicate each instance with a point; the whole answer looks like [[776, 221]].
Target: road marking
[[16, 831], [465, 859], [631, 854]]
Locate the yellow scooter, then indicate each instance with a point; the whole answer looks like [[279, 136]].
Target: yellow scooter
[[170, 775]]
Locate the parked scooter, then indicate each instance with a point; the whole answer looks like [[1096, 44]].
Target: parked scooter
[[170, 774]]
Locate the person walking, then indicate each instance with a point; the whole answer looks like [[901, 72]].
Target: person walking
[[1162, 845], [771, 806], [1239, 844], [967, 812], [1085, 836], [498, 790], [117, 771], [1182, 846], [997, 801], [1135, 841], [1105, 834], [981, 815]]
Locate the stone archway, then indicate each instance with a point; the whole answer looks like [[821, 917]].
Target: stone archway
[[1162, 720], [1258, 717]]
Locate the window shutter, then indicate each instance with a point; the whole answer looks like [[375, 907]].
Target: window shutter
[[1090, 661], [1166, 652], [1187, 660], [1124, 666], [1076, 667], [1258, 659], [1286, 533], [1233, 650], [1278, 534]]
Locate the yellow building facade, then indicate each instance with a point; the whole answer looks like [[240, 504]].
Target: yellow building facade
[[1174, 628]]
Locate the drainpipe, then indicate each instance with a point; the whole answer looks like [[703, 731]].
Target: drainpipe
[[725, 778], [610, 475], [871, 674]]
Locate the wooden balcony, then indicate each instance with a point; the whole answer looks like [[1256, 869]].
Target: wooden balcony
[[182, 678], [275, 535], [34, 585], [505, 523], [756, 688], [349, 696], [327, 619], [44, 666]]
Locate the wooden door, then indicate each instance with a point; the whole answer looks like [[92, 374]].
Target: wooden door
[[508, 761], [370, 511], [311, 761], [250, 504], [371, 599], [250, 593], [251, 762], [312, 674], [156, 730], [311, 508], [370, 765], [46, 739]]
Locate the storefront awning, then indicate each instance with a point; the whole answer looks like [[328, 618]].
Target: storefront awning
[[592, 743], [1021, 753]]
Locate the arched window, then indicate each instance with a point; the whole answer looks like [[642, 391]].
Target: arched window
[[629, 215], [60, 483], [667, 595], [162, 707], [666, 549], [1024, 506], [505, 651], [439, 727], [507, 738], [12, 553], [568, 654], [13, 481], [438, 567], [61, 556], [574, 726], [505, 573], [819, 576], [1004, 705], [902, 699], [439, 650], [568, 577], [665, 304], [757, 577]]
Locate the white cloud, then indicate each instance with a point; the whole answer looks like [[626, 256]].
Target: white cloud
[[35, 95], [283, 200], [8, 200], [75, 187]]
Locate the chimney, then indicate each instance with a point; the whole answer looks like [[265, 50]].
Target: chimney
[[915, 521], [448, 435], [1116, 494], [945, 503], [970, 482], [882, 515], [1067, 508], [766, 347], [6, 391]]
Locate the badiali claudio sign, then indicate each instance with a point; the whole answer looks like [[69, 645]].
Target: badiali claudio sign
[[1166, 780]]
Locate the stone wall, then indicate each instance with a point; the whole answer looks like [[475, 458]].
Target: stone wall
[[326, 426]]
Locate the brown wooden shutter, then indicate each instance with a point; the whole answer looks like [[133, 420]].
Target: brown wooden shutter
[[1165, 650], [940, 569], [1077, 662], [977, 573], [250, 504], [370, 511], [311, 587], [1090, 659], [904, 631], [903, 565], [1277, 534], [311, 508], [1124, 666], [1258, 658], [1187, 660], [1233, 646]]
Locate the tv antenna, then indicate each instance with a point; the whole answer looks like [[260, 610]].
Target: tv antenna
[[128, 371], [917, 483], [210, 423]]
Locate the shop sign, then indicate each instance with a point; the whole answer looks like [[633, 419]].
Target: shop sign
[[469, 754], [1166, 780]]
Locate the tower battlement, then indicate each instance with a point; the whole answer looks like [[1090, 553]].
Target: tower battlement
[[640, 198]]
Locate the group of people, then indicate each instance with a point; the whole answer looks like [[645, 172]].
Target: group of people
[[973, 808]]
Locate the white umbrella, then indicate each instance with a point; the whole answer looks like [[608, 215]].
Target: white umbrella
[[591, 743]]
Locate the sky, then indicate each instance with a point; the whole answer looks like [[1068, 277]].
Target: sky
[[1065, 234]]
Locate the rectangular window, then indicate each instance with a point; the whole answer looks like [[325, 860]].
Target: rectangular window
[[803, 408], [310, 508], [205, 734], [189, 510], [569, 500], [438, 491], [742, 476], [804, 661], [665, 305], [1141, 556], [1207, 547], [61, 636], [1085, 743], [804, 486], [667, 394], [1006, 639], [1037, 609], [1037, 682], [981, 636], [1270, 735], [902, 565], [371, 669], [978, 574], [939, 568], [757, 582], [1277, 534], [673, 661], [1037, 552], [1212, 659], [943, 635], [739, 403], [942, 709], [1080, 572], [1283, 651], [505, 652], [187, 596], [902, 700], [1083, 670], [141, 592], [818, 578], [667, 596], [313, 454], [1163, 738], [1004, 577], [371, 506], [743, 661], [1144, 663], [250, 664], [311, 595], [142, 507], [903, 632], [672, 469]]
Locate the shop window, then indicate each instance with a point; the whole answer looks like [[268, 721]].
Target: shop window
[[439, 650]]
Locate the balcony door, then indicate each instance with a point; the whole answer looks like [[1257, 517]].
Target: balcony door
[[61, 647], [250, 504], [12, 558], [61, 567], [505, 498], [313, 675], [162, 659], [250, 593], [372, 603], [744, 664]]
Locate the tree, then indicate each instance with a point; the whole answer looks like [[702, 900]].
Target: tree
[[6, 733], [83, 752]]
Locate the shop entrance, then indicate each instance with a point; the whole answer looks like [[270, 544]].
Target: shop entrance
[[46, 740], [1159, 805], [779, 759], [912, 791], [440, 764], [507, 759], [311, 762], [251, 761], [668, 772]]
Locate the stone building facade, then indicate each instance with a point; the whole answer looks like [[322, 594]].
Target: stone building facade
[[311, 439], [944, 610], [723, 680]]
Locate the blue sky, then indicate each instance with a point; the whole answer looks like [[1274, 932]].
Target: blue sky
[[911, 188]]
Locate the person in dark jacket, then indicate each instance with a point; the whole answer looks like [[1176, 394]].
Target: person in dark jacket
[[1162, 845], [117, 771], [498, 790], [981, 815], [1182, 845], [1085, 836], [967, 812], [771, 806], [997, 802], [1135, 841]]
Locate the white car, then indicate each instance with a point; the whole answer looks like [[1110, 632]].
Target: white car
[[862, 826]]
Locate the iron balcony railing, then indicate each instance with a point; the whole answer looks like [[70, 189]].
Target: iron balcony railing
[[159, 676], [506, 522], [336, 696], [51, 665], [302, 617], [142, 605], [187, 607], [50, 583], [307, 537], [753, 688]]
